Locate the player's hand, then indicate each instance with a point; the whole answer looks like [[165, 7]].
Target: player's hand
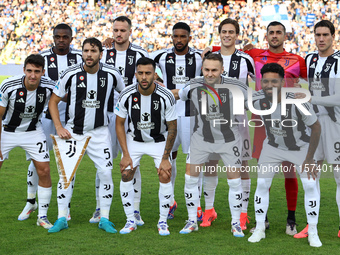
[[1, 155], [125, 163], [108, 43], [300, 95], [63, 133], [206, 51], [310, 167], [249, 46], [165, 166], [159, 83], [297, 85]]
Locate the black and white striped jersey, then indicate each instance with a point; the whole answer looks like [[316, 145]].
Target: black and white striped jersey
[[55, 64], [24, 107], [286, 132], [147, 115], [324, 83], [178, 70], [214, 117], [125, 62], [88, 95], [238, 65]]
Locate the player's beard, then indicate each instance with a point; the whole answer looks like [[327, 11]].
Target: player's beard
[[181, 49], [145, 88], [270, 96], [95, 62]]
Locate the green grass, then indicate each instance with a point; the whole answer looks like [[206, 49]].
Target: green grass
[[84, 238]]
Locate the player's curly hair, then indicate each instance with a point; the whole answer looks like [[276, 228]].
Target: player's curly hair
[[93, 42], [273, 68]]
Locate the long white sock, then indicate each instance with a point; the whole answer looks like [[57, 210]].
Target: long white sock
[[245, 194], [32, 182], [97, 191], [261, 201], [44, 196], [209, 185], [164, 195], [64, 198], [105, 192], [127, 194], [137, 185], [312, 200], [191, 196], [337, 180], [173, 179], [200, 181], [235, 199]]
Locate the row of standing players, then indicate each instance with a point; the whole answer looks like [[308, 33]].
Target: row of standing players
[[178, 65]]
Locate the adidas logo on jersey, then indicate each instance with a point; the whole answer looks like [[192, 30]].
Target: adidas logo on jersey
[[337, 159], [110, 61], [81, 85], [52, 65], [170, 61], [136, 107], [21, 100]]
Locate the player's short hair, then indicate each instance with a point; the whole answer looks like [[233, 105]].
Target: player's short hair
[[325, 23], [36, 60], [213, 56], [273, 68], [146, 61], [181, 25], [93, 42], [123, 19], [63, 26], [229, 21], [276, 23]]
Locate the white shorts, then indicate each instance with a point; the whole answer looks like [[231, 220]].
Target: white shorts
[[114, 139], [33, 142], [138, 149], [200, 151], [243, 130], [271, 159], [184, 132], [329, 143], [99, 148]]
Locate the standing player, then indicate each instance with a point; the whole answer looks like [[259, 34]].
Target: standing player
[[88, 86], [57, 59], [323, 77], [123, 55], [212, 137], [295, 67], [152, 128], [179, 64], [284, 140], [236, 64], [23, 99]]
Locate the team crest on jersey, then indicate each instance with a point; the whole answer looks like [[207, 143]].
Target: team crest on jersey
[[235, 64], [328, 66], [130, 60], [190, 61], [72, 61], [286, 62], [41, 98], [81, 78], [224, 97], [52, 59], [155, 105], [102, 81], [180, 70], [135, 99]]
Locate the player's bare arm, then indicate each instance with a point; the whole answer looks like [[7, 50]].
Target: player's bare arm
[[309, 164], [176, 94], [172, 132], [53, 108], [108, 43], [126, 159], [2, 112]]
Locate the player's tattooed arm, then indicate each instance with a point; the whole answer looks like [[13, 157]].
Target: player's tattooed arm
[[172, 132]]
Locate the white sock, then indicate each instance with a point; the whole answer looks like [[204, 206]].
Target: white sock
[[261, 201], [312, 200], [64, 197], [32, 181], [105, 192], [245, 194], [44, 196], [200, 181], [137, 185], [209, 185], [173, 179], [337, 180], [235, 199], [191, 196], [164, 195], [127, 194], [97, 191]]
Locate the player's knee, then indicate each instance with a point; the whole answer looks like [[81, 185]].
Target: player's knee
[[43, 172], [308, 185], [263, 184], [104, 175], [127, 175]]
